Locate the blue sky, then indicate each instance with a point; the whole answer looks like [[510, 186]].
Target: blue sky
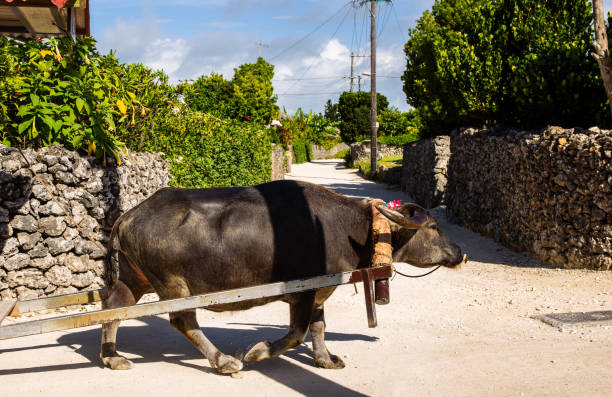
[[190, 38]]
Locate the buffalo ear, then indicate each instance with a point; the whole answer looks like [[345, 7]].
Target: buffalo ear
[[416, 219]]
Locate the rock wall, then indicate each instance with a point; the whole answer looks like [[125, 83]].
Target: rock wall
[[361, 150], [320, 153], [41, 250], [424, 170], [547, 192], [281, 163]]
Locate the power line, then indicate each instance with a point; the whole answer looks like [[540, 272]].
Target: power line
[[310, 78], [332, 36], [398, 24], [312, 93], [309, 34]]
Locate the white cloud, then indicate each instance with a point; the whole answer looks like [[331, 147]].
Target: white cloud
[[166, 54], [314, 67]]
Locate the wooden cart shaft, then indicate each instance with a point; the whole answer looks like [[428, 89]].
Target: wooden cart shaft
[[166, 306]]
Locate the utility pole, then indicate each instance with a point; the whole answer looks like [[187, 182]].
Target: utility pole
[[260, 45], [352, 76], [352, 57], [373, 123]]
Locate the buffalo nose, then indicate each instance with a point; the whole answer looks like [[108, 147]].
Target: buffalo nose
[[457, 256]]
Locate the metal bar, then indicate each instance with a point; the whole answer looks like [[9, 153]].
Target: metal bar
[[52, 302], [191, 302], [368, 292], [6, 307]]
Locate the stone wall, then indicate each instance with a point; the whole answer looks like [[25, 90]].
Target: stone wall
[[361, 150], [424, 168], [546, 192], [320, 153], [41, 250]]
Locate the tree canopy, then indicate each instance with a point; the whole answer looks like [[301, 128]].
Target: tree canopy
[[354, 111], [519, 62], [248, 96]]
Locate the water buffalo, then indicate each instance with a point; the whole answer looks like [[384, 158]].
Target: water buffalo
[[182, 242]]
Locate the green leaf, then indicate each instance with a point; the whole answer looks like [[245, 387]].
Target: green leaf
[[79, 104], [35, 99], [23, 126]]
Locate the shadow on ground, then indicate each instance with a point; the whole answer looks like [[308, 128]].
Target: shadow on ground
[[156, 341]]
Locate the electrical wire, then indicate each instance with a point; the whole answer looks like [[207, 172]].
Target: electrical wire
[[332, 36], [398, 23], [313, 31]]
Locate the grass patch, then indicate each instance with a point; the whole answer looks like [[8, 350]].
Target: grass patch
[[387, 161]]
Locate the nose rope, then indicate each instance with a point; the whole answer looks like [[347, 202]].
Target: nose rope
[[420, 275], [381, 237]]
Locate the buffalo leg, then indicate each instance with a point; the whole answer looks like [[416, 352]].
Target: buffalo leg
[[322, 357], [186, 323], [120, 295], [300, 312]]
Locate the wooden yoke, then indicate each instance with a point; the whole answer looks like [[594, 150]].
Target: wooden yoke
[[383, 251]]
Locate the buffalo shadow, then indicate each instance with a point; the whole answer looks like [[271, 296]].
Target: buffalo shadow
[[158, 341]]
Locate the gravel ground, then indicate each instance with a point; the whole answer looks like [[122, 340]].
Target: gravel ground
[[466, 332]]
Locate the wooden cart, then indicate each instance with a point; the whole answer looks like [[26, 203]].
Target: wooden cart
[[14, 307]]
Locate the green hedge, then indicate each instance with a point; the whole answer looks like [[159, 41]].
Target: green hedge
[[302, 151], [522, 63], [398, 140], [60, 92], [206, 151]]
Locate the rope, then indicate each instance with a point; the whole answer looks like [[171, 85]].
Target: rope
[[44, 185], [420, 275]]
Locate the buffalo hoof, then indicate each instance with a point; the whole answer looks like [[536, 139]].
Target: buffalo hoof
[[228, 364], [117, 362], [334, 362], [258, 352]]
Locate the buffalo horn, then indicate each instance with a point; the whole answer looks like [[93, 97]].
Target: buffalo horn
[[414, 222]]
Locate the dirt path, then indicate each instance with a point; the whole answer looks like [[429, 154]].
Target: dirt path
[[468, 332]]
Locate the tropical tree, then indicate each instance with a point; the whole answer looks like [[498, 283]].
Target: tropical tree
[[518, 62], [354, 111], [249, 96]]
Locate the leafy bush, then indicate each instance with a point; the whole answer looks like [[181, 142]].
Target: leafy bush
[[60, 92], [247, 97], [343, 153], [206, 151], [524, 63], [393, 122], [398, 140], [302, 151], [354, 111]]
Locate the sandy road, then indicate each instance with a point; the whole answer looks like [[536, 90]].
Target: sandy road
[[468, 332]]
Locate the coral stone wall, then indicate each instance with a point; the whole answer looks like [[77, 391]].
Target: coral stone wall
[[360, 151], [41, 250], [320, 153], [547, 192], [424, 170]]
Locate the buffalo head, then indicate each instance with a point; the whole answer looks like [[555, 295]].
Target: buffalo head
[[417, 239]]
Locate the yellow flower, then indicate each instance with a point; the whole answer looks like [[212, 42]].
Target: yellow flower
[[121, 105]]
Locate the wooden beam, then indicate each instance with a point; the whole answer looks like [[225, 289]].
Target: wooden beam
[[22, 18], [53, 302], [192, 302], [60, 22], [6, 307]]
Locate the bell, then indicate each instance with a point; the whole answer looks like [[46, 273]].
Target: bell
[[381, 291]]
